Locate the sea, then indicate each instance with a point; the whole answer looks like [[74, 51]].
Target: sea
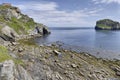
[[100, 43]]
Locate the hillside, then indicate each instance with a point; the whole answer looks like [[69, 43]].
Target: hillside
[[14, 24]]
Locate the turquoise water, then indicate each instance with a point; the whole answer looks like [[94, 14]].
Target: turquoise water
[[106, 43]]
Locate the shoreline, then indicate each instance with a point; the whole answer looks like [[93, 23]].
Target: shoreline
[[52, 60], [97, 52]]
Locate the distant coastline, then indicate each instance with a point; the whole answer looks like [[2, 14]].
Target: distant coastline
[[70, 28]]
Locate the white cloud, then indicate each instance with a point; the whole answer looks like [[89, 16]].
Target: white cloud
[[38, 6], [49, 14], [106, 1]]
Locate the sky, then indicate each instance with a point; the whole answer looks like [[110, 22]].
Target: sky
[[68, 13]]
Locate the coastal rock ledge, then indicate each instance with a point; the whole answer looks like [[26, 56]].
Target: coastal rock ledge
[[107, 24]]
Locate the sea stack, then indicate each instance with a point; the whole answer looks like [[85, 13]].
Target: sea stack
[[107, 24]]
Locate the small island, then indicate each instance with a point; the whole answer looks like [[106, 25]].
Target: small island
[[107, 24]]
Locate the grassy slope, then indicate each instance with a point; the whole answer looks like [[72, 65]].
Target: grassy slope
[[4, 54], [19, 25]]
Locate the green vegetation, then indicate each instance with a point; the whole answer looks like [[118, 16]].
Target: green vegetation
[[2, 18], [20, 23], [16, 25], [4, 7], [4, 54], [29, 24], [18, 61], [29, 42], [103, 26], [107, 24], [19, 26]]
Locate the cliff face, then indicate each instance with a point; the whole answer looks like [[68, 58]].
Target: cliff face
[[14, 24], [107, 24]]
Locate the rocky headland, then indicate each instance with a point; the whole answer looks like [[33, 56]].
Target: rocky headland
[[107, 24], [21, 59], [15, 25]]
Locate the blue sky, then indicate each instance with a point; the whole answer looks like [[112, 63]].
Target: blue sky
[[68, 13]]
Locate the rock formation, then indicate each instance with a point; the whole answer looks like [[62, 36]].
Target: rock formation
[[107, 24], [24, 60], [17, 24]]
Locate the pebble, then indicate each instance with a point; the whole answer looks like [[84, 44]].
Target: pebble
[[56, 52], [74, 65]]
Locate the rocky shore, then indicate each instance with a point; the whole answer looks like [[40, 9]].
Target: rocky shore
[[21, 59], [28, 61]]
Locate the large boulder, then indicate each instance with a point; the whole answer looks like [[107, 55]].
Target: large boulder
[[107, 24], [8, 34]]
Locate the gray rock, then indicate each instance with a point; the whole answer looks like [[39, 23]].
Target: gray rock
[[74, 65], [1, 65], [57, 53], [23, 74], [9, 71], [8, 33], [115, 68], [118, 73], [20, 49]]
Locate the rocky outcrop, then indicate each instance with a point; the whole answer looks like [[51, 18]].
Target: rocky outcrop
[[18, 25], [107, 24], [8, 33], [10, 71]]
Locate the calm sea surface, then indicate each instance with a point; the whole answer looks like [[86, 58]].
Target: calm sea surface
[[105, 44]]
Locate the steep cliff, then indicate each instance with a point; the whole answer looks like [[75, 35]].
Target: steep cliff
[[14, 24], [107, 24]]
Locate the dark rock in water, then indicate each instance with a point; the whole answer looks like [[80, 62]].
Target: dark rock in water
[[45, 31], [107, 24]]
